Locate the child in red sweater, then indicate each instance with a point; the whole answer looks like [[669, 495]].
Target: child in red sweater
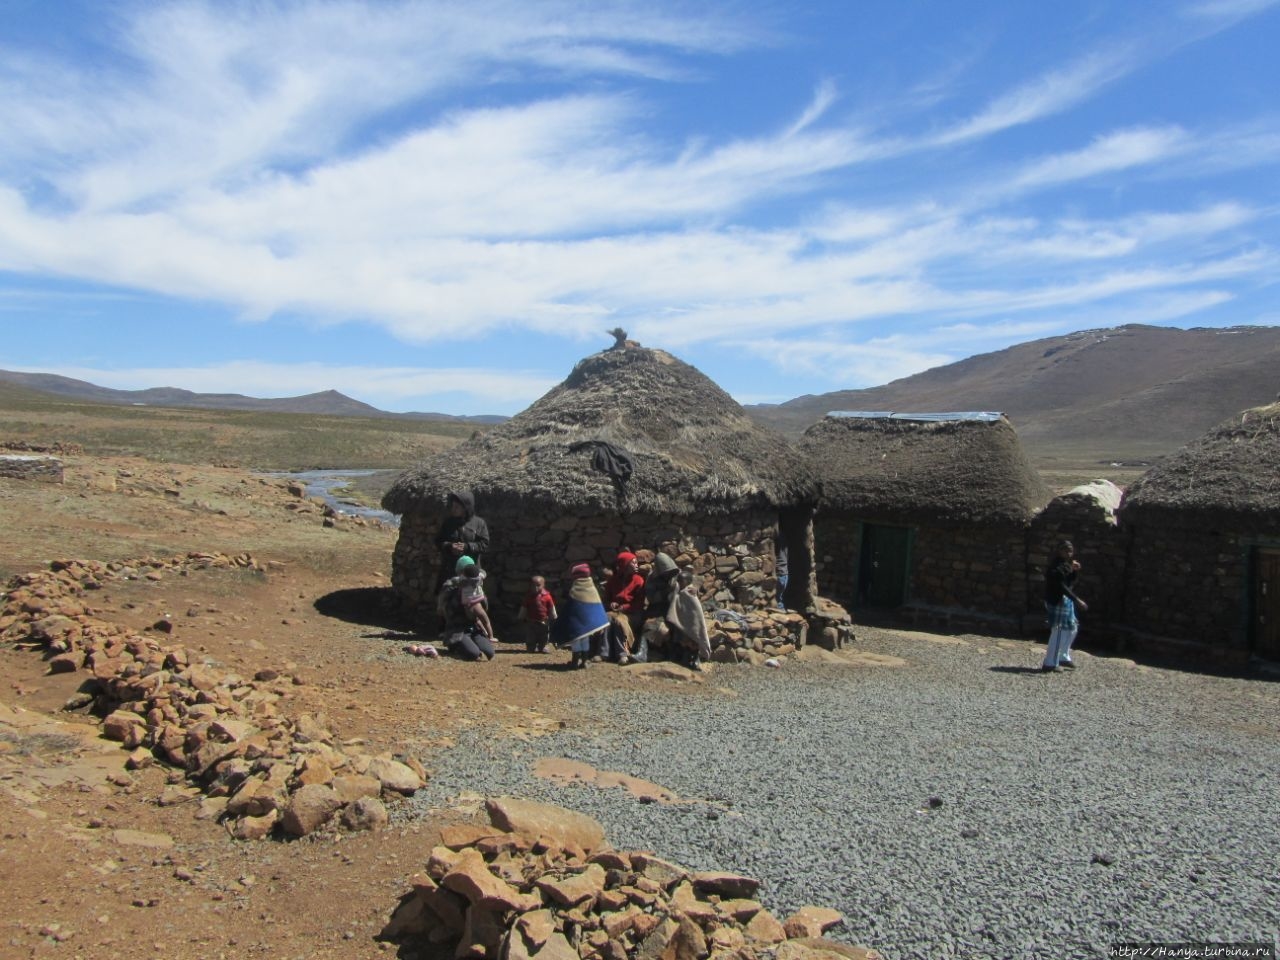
[[539, 610]]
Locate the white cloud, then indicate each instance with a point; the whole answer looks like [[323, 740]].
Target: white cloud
[[232, 161], [831, 361], [1107, 154], [1050, 93], [1227, 9]]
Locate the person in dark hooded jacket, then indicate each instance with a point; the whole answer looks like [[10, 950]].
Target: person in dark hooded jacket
[[461, 534]]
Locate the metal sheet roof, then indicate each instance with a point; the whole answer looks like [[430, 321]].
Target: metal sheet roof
[[985, 416]]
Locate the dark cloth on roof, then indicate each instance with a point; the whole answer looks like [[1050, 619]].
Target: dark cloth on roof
[[608, 458]]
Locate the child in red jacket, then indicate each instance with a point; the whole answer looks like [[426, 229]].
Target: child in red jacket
[[539, 610], [624, 599]]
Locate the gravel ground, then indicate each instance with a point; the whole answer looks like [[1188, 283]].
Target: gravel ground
[[963, 805]]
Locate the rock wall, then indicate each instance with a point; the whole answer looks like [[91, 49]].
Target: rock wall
[[731, 558], [992, 576], [1188, 591], [1087, 516], [957, 575], [964, 576], [21, 467]]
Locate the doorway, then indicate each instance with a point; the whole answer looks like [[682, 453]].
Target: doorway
[[1266, 603], [883, 564]]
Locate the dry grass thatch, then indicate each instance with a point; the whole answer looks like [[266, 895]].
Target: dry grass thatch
[[950, 471], [1231, 471], [694, 448]]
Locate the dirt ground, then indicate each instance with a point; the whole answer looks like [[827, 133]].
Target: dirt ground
[[101, 861]]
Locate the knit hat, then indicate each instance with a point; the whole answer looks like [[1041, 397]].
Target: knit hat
[[662, 564], [625, 557], [463, 562], [580, 571]]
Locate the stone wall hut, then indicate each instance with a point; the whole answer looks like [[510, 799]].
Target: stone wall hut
[[1204, 560], [926, 515], [708, 486]]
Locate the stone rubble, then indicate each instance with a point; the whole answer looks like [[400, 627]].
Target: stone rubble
[[260, 772], [542, 882]]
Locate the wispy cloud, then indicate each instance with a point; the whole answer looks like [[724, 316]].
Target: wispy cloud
[[1050, 93], [1106, 154], [445, 171], [1227, 9], [829, 360]]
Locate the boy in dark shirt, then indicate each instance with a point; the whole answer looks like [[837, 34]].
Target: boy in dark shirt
[[1061, 603]]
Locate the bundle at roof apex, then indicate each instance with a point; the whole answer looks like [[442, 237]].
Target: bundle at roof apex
[[692, 447]]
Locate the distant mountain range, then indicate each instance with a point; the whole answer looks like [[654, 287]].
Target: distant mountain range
[[1126, 392], [326, 403]]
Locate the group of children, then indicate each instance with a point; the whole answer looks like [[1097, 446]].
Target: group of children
[[589, 625]]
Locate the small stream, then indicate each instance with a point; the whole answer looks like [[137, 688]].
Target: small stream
[[327, 485]]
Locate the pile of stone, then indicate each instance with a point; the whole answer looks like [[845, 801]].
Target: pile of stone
[[58, 448], [755, 636], [17, 466], [260, 771], [541, 882]]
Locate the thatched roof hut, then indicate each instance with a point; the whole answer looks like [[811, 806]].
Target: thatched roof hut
[[634, 449], [693, 449], [924, 468], [1232, 473]]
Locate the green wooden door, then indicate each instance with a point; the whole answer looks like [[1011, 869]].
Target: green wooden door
[[883, 564]]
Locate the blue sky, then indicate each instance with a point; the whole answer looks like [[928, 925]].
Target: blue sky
[[443, 206]]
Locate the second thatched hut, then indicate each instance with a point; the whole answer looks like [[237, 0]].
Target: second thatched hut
[[1204, 557], [927, 514], [692, 475]]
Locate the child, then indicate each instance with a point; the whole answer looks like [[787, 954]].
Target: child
[[584, 617], [539, 611], [471, 593], [624, 599]]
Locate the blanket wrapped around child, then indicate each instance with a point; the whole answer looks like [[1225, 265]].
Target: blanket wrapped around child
[[581, 615]]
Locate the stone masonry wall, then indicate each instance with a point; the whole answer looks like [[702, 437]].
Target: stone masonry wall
[[974, 574], [731, 557], [1189, 586], [836, 544], [1102, 548], [19, 467]]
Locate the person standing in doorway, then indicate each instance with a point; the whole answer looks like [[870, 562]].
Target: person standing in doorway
[[1061, 603], [462, 533]]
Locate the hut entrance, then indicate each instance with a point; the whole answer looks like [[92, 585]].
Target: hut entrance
[[1266, 604], [883, 563]]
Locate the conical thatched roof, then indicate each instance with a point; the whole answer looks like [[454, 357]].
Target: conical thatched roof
[[694, 449], [927, 470], [1231, 471]]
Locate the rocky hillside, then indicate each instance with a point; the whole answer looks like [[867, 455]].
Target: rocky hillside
[[1128, 392]]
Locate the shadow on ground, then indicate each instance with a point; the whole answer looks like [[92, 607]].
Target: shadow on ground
[[367, 606]]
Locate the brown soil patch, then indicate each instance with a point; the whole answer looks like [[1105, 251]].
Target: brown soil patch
[[575, 772], [101, 861]]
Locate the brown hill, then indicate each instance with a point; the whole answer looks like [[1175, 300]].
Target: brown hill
[[1128, 393], [325, 403]]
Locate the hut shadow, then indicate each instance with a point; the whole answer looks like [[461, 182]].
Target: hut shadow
[[546, 666], [377, 607]]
